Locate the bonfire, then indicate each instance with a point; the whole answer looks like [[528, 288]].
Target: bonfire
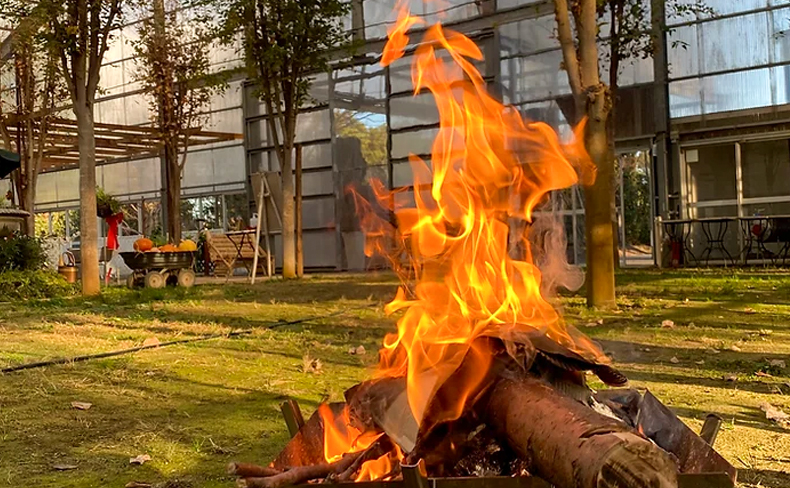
[[483, 377]]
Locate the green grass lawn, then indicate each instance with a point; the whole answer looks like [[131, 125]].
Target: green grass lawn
[[195, 407]]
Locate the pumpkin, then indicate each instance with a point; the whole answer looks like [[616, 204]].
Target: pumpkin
[[168, 248], [143, 244], [187, 245]]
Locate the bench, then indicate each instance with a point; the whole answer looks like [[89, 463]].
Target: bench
[[226, 251]]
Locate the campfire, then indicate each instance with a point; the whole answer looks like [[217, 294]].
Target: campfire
[[483, 377]]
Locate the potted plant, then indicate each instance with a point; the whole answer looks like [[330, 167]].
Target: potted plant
[[106, 205]]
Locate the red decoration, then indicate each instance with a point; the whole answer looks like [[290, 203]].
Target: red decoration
[[112, 234]]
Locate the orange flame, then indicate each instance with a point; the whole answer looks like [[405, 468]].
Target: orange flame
[[488, 165], [341, 438]]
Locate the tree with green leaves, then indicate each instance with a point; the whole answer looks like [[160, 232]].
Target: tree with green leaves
[[38, 91], [173, 65], [77, 33], [285, 42]]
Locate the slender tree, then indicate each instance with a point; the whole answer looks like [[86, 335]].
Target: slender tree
[[77, 33], [285, 41], [577, 30], [38, 90], [173, 64]]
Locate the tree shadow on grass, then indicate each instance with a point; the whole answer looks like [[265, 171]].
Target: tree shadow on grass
[[726, 362]]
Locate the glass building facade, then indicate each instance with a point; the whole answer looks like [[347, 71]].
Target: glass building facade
[[364, 121]]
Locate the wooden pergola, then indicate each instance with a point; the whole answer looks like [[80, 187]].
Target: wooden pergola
[[114, 142]]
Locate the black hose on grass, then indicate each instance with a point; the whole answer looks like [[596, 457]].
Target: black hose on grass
[[77, 359]]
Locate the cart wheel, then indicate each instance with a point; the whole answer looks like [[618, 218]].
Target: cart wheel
[[130, 281], [154, 279], [186, 278]]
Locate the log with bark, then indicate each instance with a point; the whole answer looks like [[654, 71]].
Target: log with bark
[[531, 415]]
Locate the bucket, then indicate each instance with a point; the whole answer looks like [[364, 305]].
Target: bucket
[[67, 267]]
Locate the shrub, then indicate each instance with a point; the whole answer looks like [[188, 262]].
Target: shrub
[[23, 285], [19, 252]]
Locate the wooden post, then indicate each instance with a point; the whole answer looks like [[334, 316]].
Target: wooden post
[[298, 212], [258, 230]]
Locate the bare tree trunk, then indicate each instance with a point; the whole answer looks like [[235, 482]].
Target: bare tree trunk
[[173, 193], [89, 225], [27, 201], [616, 9], [289, 224], [298, 211], [598, 208]]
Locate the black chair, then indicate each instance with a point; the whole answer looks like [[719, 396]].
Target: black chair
[[781, 235]]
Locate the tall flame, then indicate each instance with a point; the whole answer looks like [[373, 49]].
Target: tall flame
[[488, 165]]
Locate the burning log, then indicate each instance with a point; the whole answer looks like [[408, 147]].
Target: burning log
[[571, 445]]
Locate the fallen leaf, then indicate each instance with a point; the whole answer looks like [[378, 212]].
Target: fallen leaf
[[668, 324], [81, 405], [151, 341], [138, 484], [765, 332], [692, 325], [64, 467], [710, 350], [599, 321], [700, 362], [779, 363], [731, 377], [360, 351], [749, 310], [140, 459], [590, 324], [352, 350], [311, 365], [763, 374], [674, 360], [775, 414], [735, 348]]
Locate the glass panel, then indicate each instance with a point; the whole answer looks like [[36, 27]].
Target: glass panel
[[131, 221], [684, 98], [415, 142], [201, 210], [317, 156], [198, 170], [68, 185], [228, 164], [735, 43], [144, 176], [766, 168], [528, 36], [410, 111], [534, 77], [313, 126], [721, 7], [318, 213], [402, 175], [683, 52], [46, 188], [780, 37], [735, 91], [237, 210], [377, 15], [317, 183], [152, 218], [360, 119], [712, 177]]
